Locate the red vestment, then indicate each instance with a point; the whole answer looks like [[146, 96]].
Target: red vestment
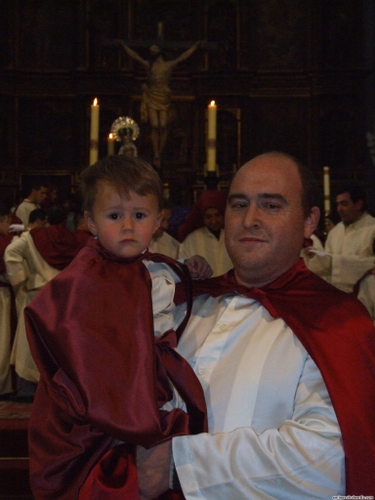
[[57, 245], [339, 335], [90, 331]]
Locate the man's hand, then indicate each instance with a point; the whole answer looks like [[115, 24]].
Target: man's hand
[[153, 469], [198, 267]]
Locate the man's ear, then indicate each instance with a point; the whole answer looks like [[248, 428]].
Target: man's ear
[[311, 221], [90, 223]]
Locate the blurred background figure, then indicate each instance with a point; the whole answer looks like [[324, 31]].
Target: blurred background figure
[[162, 242], [202, 233]]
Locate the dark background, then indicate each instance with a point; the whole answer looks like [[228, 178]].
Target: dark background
[[294, 75]]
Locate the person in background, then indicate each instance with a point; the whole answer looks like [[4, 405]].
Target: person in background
[[349, 248], [348, 255], [286, 361], [37, 218], [161, 241], [208, 238], [34, 200], [32, 260]]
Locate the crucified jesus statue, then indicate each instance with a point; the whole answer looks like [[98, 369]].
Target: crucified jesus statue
[[156, 94]]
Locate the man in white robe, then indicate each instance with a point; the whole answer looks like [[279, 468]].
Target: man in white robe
[[273, 432], [209, 242], [348, 251], [37, 195], [162, 242], [28, 272]]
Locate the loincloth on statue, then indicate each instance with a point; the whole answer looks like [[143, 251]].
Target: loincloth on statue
[[157, 97]]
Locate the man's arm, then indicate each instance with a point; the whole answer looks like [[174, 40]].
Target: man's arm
[[14, 258], [154, 470]]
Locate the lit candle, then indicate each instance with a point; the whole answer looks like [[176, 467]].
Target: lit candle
[[94, 132], [111, 144], [327, 201], [211, 137]]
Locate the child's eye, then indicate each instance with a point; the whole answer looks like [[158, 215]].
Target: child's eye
[[140, 215], [114, 216]]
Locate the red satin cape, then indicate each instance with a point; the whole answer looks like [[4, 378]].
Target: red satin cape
[[103, 378], [338, 333]]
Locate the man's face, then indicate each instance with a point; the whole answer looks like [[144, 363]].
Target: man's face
[[348, 211], [40, 223], [264, 220], [40, 195], [213, 219], [123, 226], [164, 223]]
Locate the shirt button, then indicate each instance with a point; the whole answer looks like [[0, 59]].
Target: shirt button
[[223, 326], [201, 370]]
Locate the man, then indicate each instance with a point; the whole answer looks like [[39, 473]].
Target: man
[[157, 95], [286, 361], [209, 239], [32, 260], [37, 195], [349, 251], [37, 218], [162, 242]]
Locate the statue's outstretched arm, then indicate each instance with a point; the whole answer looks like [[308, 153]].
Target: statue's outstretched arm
[[187, 53], [134, 55]]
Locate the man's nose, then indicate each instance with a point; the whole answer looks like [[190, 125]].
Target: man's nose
[[251, 217]]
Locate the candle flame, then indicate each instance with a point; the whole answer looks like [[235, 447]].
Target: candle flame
[[95, 103], [110, 135], [212, 103]]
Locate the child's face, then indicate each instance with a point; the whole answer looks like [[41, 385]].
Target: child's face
[[124, 227], [4, 224]]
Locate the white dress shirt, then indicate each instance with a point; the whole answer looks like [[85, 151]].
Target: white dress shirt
[[273, 433]]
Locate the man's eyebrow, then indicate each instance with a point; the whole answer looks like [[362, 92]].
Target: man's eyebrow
[[263, 196], [273, 196], [237, 196]]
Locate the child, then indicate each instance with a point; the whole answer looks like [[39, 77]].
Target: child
[[104, 377]]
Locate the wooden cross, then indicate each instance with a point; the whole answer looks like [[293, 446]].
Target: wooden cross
[[160, 42]]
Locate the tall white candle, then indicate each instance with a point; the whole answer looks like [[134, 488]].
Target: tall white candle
[[211, 137], [111, 144], [326, 187], [94, 132]]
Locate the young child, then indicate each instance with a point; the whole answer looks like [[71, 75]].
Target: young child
[[104, 376]]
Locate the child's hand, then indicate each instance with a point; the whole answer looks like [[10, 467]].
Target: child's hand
[[198, 267]]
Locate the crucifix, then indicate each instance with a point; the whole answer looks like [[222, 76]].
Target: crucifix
[[156, 94]]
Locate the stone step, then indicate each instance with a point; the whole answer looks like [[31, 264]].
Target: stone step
[[14, 461]]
